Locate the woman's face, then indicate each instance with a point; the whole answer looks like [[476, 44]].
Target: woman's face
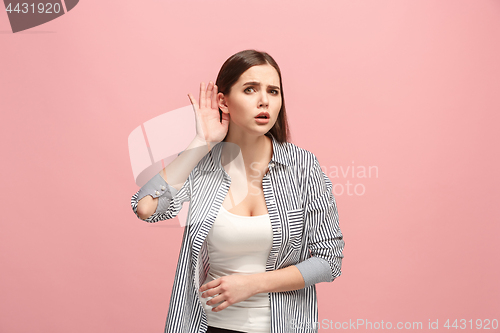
[[257, 90]]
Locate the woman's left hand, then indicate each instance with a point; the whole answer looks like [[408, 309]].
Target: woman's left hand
[[231, 289]]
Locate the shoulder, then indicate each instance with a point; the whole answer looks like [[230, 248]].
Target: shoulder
[[306, 167], [301, 158]]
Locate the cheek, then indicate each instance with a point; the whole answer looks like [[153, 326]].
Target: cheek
[[241, 112]]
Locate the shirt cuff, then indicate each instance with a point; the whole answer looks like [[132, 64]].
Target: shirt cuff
[[315, 270], [157, 187]]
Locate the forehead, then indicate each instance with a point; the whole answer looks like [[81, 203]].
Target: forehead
[[266, 74]]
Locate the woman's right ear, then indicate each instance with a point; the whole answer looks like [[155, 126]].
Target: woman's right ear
[[221, 101]]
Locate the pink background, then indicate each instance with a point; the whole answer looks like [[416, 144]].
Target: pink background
[[406, 86]]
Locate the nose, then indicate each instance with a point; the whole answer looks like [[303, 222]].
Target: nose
[[264, 100]]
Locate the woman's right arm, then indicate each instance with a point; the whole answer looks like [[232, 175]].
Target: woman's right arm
[[153, 202], [156, 195]]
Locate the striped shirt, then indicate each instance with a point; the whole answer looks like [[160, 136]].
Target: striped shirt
[[306, 233]]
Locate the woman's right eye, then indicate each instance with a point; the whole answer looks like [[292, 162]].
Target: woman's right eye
[[248, 88]]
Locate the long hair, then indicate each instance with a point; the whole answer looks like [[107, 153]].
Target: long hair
[[230, 73]]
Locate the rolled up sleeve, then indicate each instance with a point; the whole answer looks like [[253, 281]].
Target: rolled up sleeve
[[325, 240], [169, 198]]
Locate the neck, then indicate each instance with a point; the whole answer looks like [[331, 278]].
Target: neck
[[254, 148]]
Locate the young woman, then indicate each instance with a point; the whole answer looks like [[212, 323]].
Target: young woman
[[262, 224]]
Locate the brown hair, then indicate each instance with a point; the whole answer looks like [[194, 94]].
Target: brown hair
[[231, 71]]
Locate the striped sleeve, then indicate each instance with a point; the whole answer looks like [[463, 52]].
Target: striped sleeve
[[325, 240], [170, 200]]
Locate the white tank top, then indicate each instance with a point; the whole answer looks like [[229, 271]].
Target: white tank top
[[239, 245]]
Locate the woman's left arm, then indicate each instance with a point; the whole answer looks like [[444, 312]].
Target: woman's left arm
[[231, 289], [325, 241], [283, 279]]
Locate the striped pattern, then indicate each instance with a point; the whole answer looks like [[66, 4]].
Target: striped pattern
[[304, 219]]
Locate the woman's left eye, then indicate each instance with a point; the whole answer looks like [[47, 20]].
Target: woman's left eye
[[274, 91]]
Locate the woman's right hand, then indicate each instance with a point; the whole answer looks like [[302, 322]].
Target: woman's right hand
[[208, 125]]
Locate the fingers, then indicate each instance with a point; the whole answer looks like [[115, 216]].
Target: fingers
[[193, 101], [221, 307], [209, 285], [216, 300], [212, 287], [209, 94], [202, 95], [214, 98]]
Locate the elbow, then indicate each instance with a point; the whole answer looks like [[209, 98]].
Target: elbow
[[332, 268], [141, 209], [336, 267], [335, 275], [143, 213]]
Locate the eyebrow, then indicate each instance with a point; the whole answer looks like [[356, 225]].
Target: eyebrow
[[255, 83]]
